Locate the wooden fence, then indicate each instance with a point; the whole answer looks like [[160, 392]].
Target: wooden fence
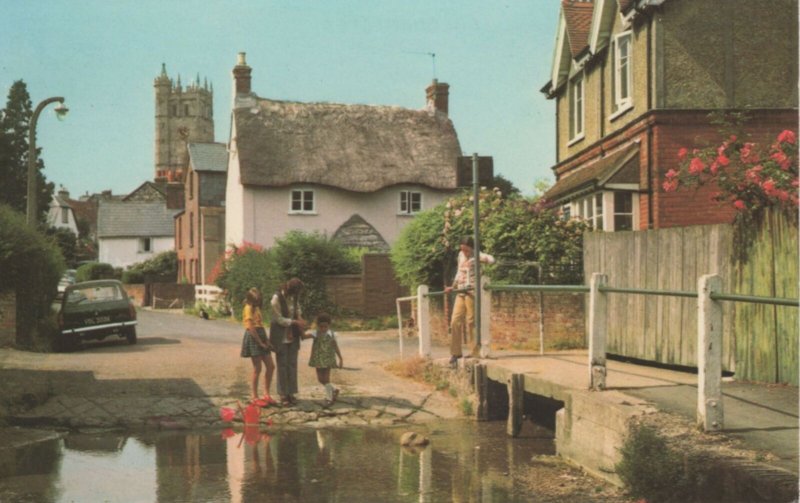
[[759, 341]]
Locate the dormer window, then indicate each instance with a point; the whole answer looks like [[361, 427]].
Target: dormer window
[[410, 202], [623, 77], [302, 201]]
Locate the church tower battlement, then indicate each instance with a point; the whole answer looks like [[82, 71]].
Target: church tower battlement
[[183, 114]]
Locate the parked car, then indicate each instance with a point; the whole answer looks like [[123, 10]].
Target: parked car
[[93, 310], [68, 278]]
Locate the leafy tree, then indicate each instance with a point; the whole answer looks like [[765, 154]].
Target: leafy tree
[[245, 267], [67, 242], [521, 233], [505, 185], [14, 128]]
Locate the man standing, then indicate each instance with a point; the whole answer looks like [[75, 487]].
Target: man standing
[[463, 319]]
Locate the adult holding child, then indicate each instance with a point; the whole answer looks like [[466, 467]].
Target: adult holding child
[[285, 331]]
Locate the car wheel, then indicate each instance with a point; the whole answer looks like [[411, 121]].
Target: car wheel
[[131, 335]]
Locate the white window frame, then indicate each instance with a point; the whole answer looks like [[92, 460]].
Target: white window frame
[[623, 103], [406, 199], [304, 192], [577, 116], [632, 213]]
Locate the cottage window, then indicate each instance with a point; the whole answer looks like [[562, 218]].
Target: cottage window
[[302, 201], [576, 108], [145, 245], [623, 77], [64, 215], [410, 202], [623, 211], [566, 211]]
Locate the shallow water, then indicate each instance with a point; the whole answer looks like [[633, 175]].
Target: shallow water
[[465, 461]]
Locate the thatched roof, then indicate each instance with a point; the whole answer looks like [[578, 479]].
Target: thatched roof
[[360, 148]]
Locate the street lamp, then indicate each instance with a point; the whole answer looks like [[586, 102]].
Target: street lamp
[[61, 111]]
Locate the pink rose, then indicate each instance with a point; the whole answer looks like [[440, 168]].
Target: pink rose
[[723, 160], [696, 166], [670, 185], [682, 153], [671, 174], [739, 205], [782, 195], [769, 187], [714, 168], [754, 174], [787, 136], [747, 155]]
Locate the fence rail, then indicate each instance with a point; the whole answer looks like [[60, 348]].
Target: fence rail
[[709, 329]]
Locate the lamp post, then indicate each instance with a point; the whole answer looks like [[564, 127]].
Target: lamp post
[[61, 111]]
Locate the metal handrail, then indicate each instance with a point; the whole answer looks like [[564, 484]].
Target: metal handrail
[[780, 301], [645, 291], [443, 292], [539, 288]]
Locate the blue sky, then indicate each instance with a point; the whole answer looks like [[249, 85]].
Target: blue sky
[[102, 56]]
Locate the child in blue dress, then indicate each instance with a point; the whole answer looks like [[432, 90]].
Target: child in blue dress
[[324, 352]]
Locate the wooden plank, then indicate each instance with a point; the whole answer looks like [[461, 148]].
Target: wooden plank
[[785, 243], [638, 277], [651, 302], [722, 260], [672, 339], [662, 240], [693, 249]]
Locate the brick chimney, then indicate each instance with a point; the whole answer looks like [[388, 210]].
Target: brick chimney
[[241, 75], [437, 97]]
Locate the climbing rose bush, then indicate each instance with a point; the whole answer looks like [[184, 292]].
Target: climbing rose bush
[[750, 177]]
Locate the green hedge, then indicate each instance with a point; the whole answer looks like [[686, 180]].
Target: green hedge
[[31, 265], [95, 270]]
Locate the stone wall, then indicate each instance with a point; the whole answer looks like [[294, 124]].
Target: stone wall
[[8, 318]]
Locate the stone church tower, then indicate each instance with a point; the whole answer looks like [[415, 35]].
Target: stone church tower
[[182, 115]]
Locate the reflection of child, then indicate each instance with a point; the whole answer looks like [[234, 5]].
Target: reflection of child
[[324, 352]]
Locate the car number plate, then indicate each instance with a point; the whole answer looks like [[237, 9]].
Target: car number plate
[[98, 319]]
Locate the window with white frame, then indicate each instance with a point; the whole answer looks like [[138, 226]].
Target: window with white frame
[[64, 215], [576, 108], [623, 211], [410, 202], [302, 201], [590, 208], [145, 245], [623, 77], [566, 211]]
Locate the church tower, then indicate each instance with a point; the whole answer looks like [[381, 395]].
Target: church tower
[[183, 115]]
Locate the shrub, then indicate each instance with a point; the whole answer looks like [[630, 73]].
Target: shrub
[[94, 270], [31, 265], [163, 268], [245, 267], [310, 257], [651, 469]]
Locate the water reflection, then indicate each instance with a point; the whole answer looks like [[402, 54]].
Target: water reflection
[[465, 461]]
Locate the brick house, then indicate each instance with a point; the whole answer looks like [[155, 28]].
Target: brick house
[[200, 226], [635, 80], [357, 172]]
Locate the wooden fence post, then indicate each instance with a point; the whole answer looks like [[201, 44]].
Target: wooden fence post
[[486, 319], [709, 354], [481, 385], [516, 396], [424, 321], [598, 312]]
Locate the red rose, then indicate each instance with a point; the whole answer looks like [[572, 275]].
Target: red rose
[[787, 136], [739, 205], [682, 153], [671, 174], [723, 160], [696, 166]]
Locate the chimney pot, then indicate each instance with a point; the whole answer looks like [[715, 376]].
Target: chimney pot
[[241, 75], [437, 97]]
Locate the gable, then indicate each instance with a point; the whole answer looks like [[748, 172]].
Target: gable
[[357, 232], [148, 191], [360, 148], [621, 166]]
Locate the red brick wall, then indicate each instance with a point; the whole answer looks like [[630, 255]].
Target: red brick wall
[[8, 318], [515, 321]]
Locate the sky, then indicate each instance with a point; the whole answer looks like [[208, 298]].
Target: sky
[[102, 57]]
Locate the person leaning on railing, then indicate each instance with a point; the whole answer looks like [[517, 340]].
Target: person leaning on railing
[[463, 318]]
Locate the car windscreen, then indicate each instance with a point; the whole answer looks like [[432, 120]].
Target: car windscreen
[[89, 295]]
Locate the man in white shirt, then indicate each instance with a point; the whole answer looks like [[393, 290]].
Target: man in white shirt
[[463, 319]]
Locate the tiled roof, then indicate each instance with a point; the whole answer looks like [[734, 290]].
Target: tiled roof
[[578, 18], [135, 219], [592, 175], [361, 148], [208, 156]]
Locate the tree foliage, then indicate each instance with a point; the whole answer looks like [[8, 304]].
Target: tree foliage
[[30, 265], [308, 256], [14, 128], [521, 233], [161, 268]]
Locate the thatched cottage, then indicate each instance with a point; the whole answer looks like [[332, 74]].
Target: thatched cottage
[[356, 172]]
